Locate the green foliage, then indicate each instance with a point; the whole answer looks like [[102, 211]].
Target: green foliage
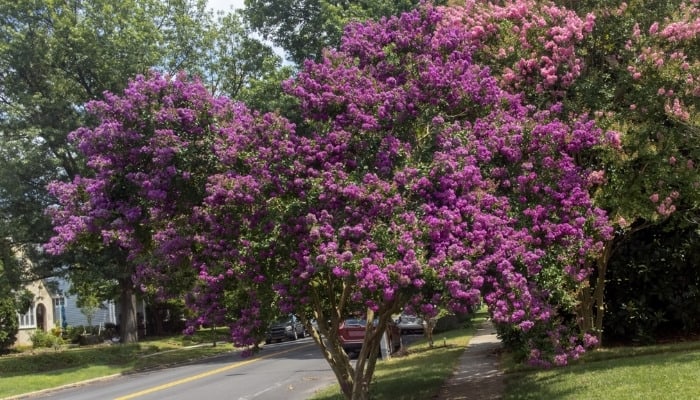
[[72, 334], [51, 339], [266, 95], [303, 28], [9, 323], [10, 302], [88, 304], [654, 285], [216, 48]]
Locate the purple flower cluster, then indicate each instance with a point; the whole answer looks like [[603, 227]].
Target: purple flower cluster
[[492, 201], [421, 182]]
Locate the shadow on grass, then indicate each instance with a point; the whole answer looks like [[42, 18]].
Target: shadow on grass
[[615, 377], [417, 376]]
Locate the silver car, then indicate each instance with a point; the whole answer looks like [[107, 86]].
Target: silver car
[[410, 324]]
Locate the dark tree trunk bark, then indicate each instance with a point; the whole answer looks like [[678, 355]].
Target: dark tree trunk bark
[[127, 317]]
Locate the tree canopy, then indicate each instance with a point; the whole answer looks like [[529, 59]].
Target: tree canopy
[[303, 28], [420, 182], [55, 57], [441, 156]]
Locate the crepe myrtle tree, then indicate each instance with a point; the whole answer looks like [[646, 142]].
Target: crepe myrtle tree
[[634, 67], [148, 157], [646, 88], [538, 49], [421, 182]]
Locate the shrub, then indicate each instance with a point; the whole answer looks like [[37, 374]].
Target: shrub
[[74, 333], [51, 339], [8, 324], [653, 286], [446, 323]]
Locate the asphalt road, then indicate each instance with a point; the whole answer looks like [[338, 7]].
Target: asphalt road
[[288, 370]]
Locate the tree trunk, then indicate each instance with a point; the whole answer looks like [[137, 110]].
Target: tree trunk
[[354, 382], [127, 309], [364, 368], [429, 327], [337, 359], [599, 290], [328, 341], [591, 309]]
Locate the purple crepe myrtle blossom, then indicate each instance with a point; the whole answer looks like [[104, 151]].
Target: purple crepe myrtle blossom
[[153, 153], [421, 180], [498, 185]]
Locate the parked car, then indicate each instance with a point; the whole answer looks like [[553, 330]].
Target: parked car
[[285, 328], [352, 335], [410, 324]]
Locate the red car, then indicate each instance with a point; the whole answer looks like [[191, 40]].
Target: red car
[[352, 335]]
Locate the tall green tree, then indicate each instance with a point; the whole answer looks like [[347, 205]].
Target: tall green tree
[[216, 47], [641, 80], [8, 308], [303, 28], [57, 55], [634, 66]]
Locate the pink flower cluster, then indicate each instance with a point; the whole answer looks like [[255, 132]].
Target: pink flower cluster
[[664, 66], [530, 45]]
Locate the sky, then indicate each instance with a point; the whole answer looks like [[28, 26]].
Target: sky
[[225, 5]]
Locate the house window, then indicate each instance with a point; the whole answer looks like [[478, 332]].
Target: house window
[[28, 319], [59, 311]]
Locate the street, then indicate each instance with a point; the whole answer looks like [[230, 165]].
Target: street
[[288, 370]]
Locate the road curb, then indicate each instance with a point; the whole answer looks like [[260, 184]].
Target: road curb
[[66, 386]]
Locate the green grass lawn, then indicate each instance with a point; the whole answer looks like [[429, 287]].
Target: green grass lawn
[[46, 368], [670, 371]]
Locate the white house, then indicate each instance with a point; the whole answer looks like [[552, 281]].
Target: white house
[[40, 316], [52, 307]]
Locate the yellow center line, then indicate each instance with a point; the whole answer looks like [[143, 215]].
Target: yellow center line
[[204, 374]]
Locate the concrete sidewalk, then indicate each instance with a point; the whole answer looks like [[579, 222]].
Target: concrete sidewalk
[[477, 376]]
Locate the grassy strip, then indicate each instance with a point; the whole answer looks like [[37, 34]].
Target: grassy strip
[[45, 369], [18, 385], [418, 375], [669, 371]]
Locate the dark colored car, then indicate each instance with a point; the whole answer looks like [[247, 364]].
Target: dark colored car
[[352, 335], [410, 324], [285, 328]]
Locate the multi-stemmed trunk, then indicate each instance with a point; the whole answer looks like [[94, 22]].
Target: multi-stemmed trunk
[[354, 381]]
